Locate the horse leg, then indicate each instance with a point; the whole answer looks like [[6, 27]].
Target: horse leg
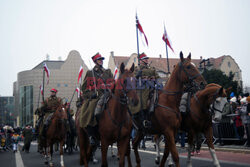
[[104, 149], [190, 143], [112, 151], [135, 144], [45, 155], [157, 147], [209, 137], [128, 154], [170, 140], [83, 148], [61, 153], [123, 149], [170, 160], [50, 155]]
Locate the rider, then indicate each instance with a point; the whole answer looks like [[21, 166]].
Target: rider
[[149, 78], [48, 108], [93, 91]]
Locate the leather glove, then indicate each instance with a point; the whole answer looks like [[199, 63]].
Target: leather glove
[[94, 96]]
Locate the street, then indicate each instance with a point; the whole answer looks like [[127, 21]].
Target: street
[[22, 159]]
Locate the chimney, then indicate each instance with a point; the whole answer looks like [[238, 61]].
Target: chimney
[[47, 57], [112, 53], [200, 57], [59, 58], [160, 56]]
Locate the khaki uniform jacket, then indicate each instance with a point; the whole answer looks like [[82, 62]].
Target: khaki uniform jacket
[[27, 134], [148, 74], [100, 78]]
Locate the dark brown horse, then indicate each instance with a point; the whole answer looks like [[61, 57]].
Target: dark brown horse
[[204, 105], [56, 133], [166, 119], [116, 124]]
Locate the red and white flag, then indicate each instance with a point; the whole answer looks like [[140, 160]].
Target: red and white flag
[[115, 73], [46, 69], [78, 92], [166, 39], [80, 75], [41, 89], [141, 30]]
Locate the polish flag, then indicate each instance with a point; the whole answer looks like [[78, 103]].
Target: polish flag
[[116, 73], [78, 92], [46, 69], [166, 39], [141, 30], [41, 89], [80, 75]]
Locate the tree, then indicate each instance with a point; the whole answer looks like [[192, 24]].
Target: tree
[[218, 77]]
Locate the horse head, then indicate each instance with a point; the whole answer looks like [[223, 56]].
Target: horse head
[[188, 74], [127, 83], [216, 97]]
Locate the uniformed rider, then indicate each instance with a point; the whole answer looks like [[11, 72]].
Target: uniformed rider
[[94, 95]]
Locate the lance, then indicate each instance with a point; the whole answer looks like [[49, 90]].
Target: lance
[[166, 50], [43, 84], [138, 57]]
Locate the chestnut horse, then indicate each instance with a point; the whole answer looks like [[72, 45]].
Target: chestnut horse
[[56, 133], [166, 119], [115, 122], [204, 105]]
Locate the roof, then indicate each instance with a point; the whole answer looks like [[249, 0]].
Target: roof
[[50, 64]]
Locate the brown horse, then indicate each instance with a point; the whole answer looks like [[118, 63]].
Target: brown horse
[[56, 133], [204, 105], [166, 119], [115, 123]]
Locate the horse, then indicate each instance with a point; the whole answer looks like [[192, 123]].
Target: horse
[[115, 124], [166, 118], [56, 133], [205, 105]]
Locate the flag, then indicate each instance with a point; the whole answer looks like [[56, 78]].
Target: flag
[[41, 89], [46, 69], [166, 39], [80, 75], [116, 73], [141, 30], [78, 92]]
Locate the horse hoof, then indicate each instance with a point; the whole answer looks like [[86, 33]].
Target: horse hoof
[[113, 156], [157, 161], [46, 162]]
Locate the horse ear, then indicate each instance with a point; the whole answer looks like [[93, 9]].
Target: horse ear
[[122, 68], [189, 56], [132, 68], [181, 56], [221, 91]]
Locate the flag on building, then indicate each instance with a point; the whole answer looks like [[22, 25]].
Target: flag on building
[[78, 92], [46, 69], [166, 39], [141, 30], [80, 75], [115, 73]]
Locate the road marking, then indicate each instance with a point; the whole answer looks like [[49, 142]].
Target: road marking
[[19, 161]]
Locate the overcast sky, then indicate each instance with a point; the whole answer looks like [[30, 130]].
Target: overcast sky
[[30, 29]]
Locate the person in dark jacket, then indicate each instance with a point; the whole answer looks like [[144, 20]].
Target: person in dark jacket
[[27, 134]]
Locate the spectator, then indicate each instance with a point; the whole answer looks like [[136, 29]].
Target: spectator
[[15, 138], [247, 123], [27, 134], [180, 138]]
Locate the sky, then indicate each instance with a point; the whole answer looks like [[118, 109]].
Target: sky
[[31, 29]]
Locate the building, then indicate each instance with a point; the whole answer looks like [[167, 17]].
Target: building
[[7, 110], [224, 63], [63, 77]]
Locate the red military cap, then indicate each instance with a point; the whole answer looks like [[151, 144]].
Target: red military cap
[[143, 56], [53, 90], [97, 56]]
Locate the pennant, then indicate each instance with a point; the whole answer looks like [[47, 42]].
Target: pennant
[[41, 89], [80, 75], [46, 69], [166, 39], [141, 30], [115, 73], [78, 92]]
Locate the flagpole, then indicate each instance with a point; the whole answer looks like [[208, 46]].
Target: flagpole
[[72, 96], [167, 59], [138, 57], [38, 99]]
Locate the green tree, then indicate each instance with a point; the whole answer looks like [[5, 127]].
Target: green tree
[[218, 77]]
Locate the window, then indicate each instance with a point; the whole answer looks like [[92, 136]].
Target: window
[[58, 85], [66, 85], [229, 64]]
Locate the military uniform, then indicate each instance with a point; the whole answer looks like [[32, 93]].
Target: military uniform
[[92, 95], [149, 78], [27, 134]]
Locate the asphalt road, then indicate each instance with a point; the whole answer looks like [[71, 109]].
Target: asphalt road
[[34, 159]]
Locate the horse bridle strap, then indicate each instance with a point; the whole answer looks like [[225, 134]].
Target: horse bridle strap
[[170, 109]]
